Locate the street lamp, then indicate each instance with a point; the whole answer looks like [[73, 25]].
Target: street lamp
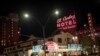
[[26, 15], [75, 40], [56, 12], [43, 26]]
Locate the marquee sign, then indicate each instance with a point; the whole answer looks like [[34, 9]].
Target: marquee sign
[[67, 22], [51, 45]]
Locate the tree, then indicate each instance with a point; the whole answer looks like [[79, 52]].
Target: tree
[[98, 40], [86, 42]]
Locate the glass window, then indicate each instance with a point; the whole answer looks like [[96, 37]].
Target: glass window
[[13, 48], [10, 49], [68, 40], [59, 40]]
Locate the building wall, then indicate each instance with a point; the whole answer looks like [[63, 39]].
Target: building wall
[[65, 37], [9, 30], [23, 48]]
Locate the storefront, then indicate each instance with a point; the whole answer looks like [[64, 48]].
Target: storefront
[[63, 50], [51, 48], [74, 49]]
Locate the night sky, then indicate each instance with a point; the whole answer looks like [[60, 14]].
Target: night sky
[[42, 10]]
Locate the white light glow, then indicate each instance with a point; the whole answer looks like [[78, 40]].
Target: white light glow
[[75, 37], [56, 12], [59, 54], [26, 15]]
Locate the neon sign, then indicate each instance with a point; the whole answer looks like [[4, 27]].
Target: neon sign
[[37, 48], [51, 45], [75, 46], [66, 22]]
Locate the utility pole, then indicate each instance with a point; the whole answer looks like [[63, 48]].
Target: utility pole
[[43, 28]]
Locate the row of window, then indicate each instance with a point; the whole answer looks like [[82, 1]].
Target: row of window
[[60, 40], [3, 42], [10, 49], [14, 48]]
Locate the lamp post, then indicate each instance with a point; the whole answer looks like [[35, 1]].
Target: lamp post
[[43, 26], [75, 40]]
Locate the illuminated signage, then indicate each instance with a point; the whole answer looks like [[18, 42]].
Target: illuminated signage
[[36, 48], [75, 46], [51, 45], [66, 22]]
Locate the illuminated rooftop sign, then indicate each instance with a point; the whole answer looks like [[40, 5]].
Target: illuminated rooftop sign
[[67, 22]]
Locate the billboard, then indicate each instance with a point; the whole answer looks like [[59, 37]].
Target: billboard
[[66, 22]]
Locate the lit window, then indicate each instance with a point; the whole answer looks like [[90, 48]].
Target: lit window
[[11, 30], [12, 35], [2, 42], [9, 35]]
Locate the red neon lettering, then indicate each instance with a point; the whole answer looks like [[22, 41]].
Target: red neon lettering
[[62, 24], [59, 20], [66, 23], [74, 22], [58, 24], [70, 22], [64, 18]]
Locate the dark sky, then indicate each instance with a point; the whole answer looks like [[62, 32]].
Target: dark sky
[[42, 10]]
